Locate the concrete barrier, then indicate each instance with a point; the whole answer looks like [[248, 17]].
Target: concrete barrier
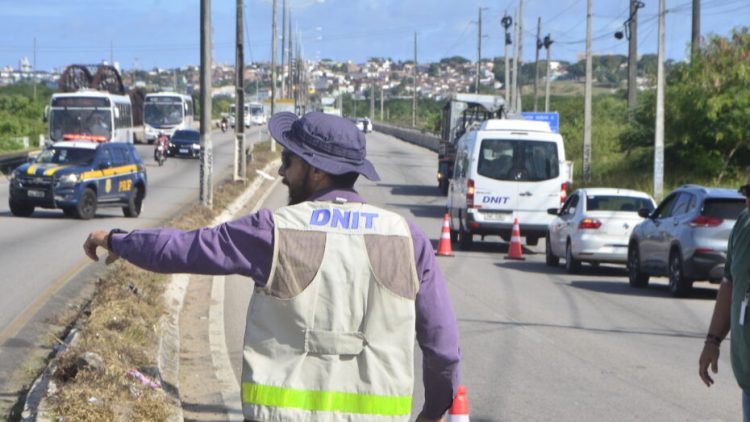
[[414, 136]]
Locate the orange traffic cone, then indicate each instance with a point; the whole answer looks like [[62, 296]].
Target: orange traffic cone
[[444, 246], [515, 251], [460, 408]]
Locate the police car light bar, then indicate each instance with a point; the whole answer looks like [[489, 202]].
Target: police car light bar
[[77, 137]]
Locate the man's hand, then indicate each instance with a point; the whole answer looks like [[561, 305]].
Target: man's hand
[[97, 239], [422, 418], [709, 356]]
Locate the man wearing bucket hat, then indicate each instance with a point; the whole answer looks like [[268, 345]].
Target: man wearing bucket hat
[[342, 288]]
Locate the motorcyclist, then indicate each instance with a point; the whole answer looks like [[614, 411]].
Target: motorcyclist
[[224, 124], [160, 146]]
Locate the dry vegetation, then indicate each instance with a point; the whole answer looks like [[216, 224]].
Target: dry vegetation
[[121, 326]]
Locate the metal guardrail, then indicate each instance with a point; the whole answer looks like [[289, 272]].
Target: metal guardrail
[[12, 160], [413, 136]]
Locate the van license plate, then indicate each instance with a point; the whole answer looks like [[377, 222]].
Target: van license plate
[[496, 216], [35, 193], [183, 151]]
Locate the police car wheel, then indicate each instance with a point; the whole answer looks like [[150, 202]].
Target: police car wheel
[[86, 208], [69, 211], [135, 203], [20, 210]]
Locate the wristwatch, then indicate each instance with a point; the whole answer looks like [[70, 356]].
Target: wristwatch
[[109, 237]]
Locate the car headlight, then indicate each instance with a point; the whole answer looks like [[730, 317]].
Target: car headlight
[[171, 145], [196, 146], [68, 180]]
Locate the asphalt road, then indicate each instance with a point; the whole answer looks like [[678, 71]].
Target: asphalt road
[[42, 263], [539, 344]]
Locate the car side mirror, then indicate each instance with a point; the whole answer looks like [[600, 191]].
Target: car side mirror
[[553, 211], [644, 212]]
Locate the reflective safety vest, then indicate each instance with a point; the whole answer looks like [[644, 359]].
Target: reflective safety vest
[[331, 335]]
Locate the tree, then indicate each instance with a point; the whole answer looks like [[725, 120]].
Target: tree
[[707, 112]]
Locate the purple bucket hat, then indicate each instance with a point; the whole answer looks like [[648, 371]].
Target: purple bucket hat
[[327, 142]]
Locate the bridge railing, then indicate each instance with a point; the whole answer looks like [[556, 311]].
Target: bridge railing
[[413, 136]]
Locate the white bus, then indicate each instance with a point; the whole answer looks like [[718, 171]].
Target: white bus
[[93, 115], [254, 114], [166, 112]]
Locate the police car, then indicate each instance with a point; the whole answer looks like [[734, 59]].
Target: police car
[[78, 175]]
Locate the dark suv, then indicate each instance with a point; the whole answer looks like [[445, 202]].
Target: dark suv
[[684, 238], [79, 176]]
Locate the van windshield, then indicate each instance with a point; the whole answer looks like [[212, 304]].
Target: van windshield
[[506, 159]]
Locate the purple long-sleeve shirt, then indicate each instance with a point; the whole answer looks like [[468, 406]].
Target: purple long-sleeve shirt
[[245, 246]]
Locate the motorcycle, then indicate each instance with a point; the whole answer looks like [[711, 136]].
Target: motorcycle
[[160, 149], [223, 126]]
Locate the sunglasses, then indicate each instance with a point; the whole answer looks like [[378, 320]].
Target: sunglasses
[[744, 190], [286, 158]]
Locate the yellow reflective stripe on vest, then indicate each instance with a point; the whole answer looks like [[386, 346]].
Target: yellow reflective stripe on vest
[[329, 401]]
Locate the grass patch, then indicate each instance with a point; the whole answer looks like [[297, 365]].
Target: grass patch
[[121, 325]]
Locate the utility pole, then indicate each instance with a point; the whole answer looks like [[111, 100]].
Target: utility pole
[[382, 88], [289, 52], [372, 101], [536, 63], [547, 45], [479, 51], [695, 43], [239, 87], [514, 77], [283, 46], [206, 170], [414, 94], [519, 97], [633, 54], [587, 102], [659, 132], [273, 60], [506, 22], [33, 72]]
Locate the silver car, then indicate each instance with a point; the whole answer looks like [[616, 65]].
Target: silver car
[[594, 226], [685, 238]]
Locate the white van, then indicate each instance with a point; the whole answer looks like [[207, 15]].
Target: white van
[[506, 169]]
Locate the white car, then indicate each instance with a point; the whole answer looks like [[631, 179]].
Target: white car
[[594, 225], [363, 124]]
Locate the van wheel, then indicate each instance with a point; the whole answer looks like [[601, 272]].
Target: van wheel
[[465, 239], [443, 186], [679, 285], [572, 265], [635, 277], [135, 203], [86, 208], [20, 210], [549, 258]]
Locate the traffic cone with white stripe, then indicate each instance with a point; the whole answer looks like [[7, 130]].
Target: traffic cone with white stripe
[[515, 251], [444, 246], [460, 408]]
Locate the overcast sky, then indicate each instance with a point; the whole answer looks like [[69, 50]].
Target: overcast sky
[[165, 33]]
